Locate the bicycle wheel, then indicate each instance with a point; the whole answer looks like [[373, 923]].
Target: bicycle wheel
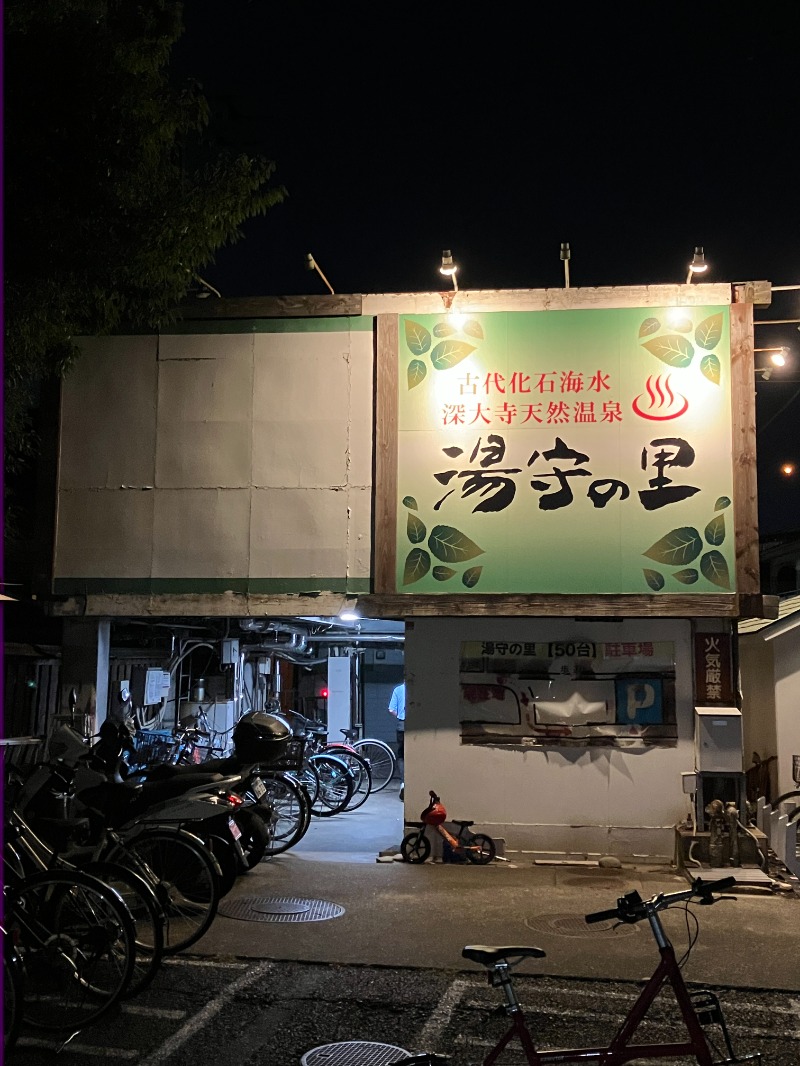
[[254, 825], [381, 760], [13, 994], [363, 775], [148, 918], [415, 847], [289, 811], [77, 943], [480, 849], [185, 876], [310, 779], [336, 785]]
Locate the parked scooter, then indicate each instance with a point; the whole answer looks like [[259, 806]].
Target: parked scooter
[[74, 793]]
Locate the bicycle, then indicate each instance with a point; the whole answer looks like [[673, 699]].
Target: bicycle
[[26, 854], [378, 753], [699, 1009], [317, 744], [76, 941], [477, 848]]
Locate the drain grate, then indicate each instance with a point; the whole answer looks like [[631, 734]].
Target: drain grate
[[573, 925], [353, 1053], [279, 909]]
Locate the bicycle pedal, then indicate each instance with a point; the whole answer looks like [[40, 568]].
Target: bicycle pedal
[[707, 1008]]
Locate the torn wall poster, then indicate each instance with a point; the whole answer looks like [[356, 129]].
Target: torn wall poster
[[577, 693]]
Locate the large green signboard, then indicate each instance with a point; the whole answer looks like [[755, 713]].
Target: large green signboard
[[579, 451]]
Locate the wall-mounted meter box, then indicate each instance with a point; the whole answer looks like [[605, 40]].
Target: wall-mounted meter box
[[718, 740], [229, 652]]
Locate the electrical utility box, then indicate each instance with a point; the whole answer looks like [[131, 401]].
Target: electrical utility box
[[718, 740]]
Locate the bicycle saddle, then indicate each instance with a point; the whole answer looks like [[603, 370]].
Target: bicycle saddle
[[489, 956]]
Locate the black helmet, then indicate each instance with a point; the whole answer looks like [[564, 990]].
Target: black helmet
[[259, 735]]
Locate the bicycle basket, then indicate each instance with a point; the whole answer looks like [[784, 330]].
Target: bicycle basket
[[153, 746]]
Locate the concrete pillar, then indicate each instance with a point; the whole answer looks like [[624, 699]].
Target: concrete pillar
[[85, 668]]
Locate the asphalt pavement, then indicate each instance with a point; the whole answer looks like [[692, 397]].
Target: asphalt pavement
[[334, 899]]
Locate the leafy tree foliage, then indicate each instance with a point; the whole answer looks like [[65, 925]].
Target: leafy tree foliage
[[114, 201]]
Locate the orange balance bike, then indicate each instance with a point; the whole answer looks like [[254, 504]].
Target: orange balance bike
[[477, 848]]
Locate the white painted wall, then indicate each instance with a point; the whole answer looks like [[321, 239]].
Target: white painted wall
[[581, 801], [786, 649]]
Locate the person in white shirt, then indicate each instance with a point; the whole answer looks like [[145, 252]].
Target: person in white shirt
[[397, 707]]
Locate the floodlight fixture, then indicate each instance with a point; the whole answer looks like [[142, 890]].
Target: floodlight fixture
[[698, 264], [312, 264], [448, 267], [777, 355], [565, 256]]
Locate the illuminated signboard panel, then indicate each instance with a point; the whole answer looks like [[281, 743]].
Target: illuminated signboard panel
[[577, 451]]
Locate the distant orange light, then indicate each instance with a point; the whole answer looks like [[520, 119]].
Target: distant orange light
[[788, 469]]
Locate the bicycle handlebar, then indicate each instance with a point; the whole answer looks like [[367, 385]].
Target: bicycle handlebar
[[632, 908]]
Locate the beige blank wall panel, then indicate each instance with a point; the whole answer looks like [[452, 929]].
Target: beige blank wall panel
[[361, 391], [113, 385], [298, 533], [201, 533], [301, 376], [104, 533], [359, 540], [197, 346], [296, 454], [204, 410], [203, 455]]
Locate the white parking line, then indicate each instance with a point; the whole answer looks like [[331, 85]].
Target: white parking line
[[198, 1021], [153, 1012], [175, 961], [437, 1023], [84, 1050]]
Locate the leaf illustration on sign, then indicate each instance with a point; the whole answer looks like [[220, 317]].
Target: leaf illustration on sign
[[473, 328], [715, 530], [709, 333], [415, 529], [687, 577], [470, 577], [715, 568], [678, 547], [448, 354], [418, 563], [682, 325], [451, 545], [443, 329], [650, 325], [710, 368], [416, 372], [418, 338], [670, 349], [654, 580], [443, 573], [722, 503], [410, 502]]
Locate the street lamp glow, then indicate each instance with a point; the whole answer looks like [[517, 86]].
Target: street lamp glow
[[788, 469]]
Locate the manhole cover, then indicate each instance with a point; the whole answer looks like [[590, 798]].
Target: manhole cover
[[279, 909], [573, 925], [353, 1053], [280, 906]]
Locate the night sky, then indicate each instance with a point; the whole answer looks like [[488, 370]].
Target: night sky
[[400, 132]]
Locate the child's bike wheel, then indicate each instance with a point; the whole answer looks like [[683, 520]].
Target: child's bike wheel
[[415, 847], [480, 849]]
